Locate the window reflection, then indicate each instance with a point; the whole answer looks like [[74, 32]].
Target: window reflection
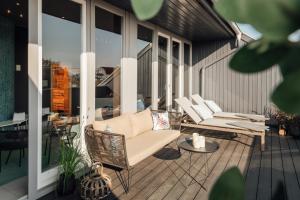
[[61, 76], [186, 69], [144, 67], [108, 61], [162, 72], [175, 73]]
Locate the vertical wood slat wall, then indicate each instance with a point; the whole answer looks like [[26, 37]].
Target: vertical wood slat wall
[[234, 92]]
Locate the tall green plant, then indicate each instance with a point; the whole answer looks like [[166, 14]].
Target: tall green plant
[[70, 160]]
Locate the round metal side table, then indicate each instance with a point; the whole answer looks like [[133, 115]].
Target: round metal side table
[[210, 147]]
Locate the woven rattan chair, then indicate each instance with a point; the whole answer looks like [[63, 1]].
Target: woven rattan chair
[[110, 149]]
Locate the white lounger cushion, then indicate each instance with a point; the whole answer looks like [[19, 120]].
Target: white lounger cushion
[[213, 106], [186, 105], [146, 144], [198, 99], [202, 110]]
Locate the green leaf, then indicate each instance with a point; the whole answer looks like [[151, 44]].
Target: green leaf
[[287, 94], [229, 186], [146, 9], [232, 10], [257, 56], [275, 19], [291, 63]]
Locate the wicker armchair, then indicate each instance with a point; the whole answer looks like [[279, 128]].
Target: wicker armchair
[[110, 148]]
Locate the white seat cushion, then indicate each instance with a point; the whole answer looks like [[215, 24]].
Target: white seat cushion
[[121, 125], [203, 111], [141, 122], [146, 144], [213, 106]]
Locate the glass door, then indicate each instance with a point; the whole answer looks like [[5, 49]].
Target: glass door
[[187, 65], [13, 99], [162, 72], [61, 67], [108, 51], [175, 73], [144, 67]]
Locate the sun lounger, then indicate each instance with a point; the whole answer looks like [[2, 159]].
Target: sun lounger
[[193, 120], [252, 117]]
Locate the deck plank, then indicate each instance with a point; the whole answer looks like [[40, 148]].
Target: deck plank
[[169, 184], [246, 155], [193, 188], [119, 190], [291, 182], [253, 172], [185, 180], [217, 171], [154, 174], [277, 172], [264, 189], [237, 154]]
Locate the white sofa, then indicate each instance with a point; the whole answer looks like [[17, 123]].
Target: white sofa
[[130, 140]]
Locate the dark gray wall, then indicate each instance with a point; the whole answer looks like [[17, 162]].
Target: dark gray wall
[[7, 68], [234, 92]]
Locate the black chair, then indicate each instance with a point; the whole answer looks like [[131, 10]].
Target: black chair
[[11, 141], [62, 131]]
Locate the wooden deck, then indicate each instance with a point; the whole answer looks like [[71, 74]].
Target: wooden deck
[[158, 177]]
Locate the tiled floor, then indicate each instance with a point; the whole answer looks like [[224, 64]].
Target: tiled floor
[[14, 190]]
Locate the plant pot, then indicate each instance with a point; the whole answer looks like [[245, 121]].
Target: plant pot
[[282, 130], [294, 130], [66, 186]]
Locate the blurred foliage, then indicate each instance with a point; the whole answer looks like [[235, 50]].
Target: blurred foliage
[[146, 9], [276, 20], [229, 186]]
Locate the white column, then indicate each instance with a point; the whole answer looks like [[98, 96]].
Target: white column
[[155, 71], [35, 94], [169, 76], [191, 72], [129, 65], [181, 72]]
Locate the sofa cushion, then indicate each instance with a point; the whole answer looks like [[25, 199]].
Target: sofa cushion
[[121, 125], [161, 121], [146, 144], [141, 122]]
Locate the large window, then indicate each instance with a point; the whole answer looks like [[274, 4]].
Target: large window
[[61, 35], [144, 67], [13, 98], [162, 71], [187, 65], [175, 73], [108, 38]]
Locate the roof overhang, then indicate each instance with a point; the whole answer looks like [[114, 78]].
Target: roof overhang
[[194, 20]]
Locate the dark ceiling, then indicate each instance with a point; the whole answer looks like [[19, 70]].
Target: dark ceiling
[[16, 10], [188, 18]]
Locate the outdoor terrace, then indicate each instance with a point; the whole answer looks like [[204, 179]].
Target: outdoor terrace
[[158, 177]]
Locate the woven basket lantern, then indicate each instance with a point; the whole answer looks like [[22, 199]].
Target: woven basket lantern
[[96, 185]]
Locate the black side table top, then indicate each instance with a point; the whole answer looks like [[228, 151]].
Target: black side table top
[[187, 144]]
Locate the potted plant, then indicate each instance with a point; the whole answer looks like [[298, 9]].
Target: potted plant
[[293, 126], [70, 160], [282, 119]]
